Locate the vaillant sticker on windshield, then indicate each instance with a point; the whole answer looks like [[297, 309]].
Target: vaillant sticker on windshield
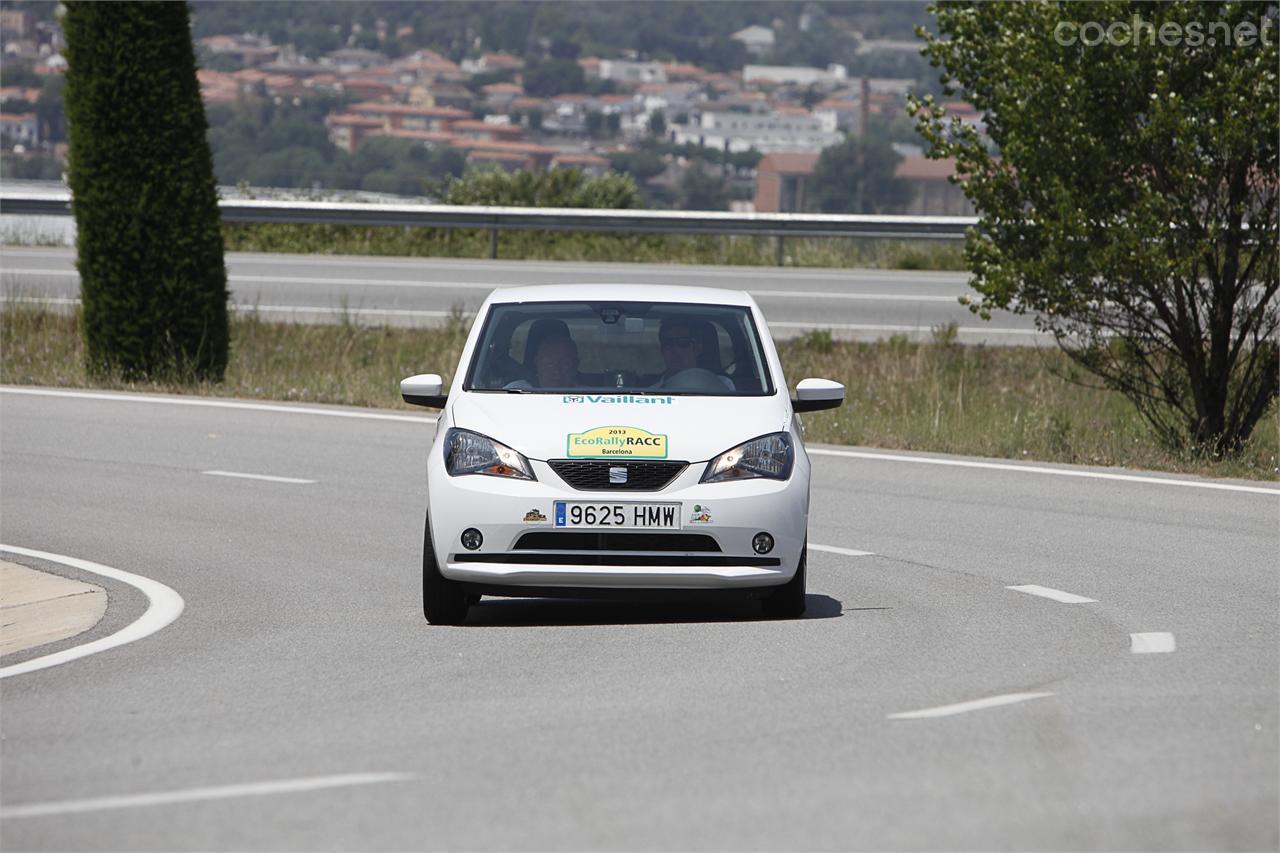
[[612, 441], [639, 399]]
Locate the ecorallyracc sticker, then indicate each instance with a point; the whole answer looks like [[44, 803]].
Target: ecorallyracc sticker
[[616, 441]]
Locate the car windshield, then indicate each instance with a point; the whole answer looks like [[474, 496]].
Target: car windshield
[[586, 347]]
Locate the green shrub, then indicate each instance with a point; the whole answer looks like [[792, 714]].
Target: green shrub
[[153, 282]]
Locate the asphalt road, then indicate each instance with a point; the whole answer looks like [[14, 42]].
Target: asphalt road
[[861, 304], [302, 657]]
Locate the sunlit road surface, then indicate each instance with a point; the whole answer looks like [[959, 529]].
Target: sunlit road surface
[[856, 304], [995, 656]]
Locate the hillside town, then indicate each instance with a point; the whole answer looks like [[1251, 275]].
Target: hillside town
[[750, 137]]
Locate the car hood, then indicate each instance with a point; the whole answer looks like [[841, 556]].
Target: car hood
[[556, 426]]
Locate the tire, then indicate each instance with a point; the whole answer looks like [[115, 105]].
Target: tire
[[787, 601], [443, 601]]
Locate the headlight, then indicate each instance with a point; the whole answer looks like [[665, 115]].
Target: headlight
[[468, 452], [768, 456]]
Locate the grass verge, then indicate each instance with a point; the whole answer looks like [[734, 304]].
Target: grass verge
[[1008, 402], [573, 246]]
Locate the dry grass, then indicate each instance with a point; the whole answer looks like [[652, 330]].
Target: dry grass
[[1002, 402]]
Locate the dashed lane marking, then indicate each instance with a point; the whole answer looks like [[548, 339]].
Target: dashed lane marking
[[1055, 594], [1152, 642], [194, 795], [268, 477], [965, 707]]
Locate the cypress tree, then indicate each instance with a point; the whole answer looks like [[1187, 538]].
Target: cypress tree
[[152, 279]]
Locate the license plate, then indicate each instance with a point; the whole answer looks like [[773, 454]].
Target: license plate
[[599, 516]]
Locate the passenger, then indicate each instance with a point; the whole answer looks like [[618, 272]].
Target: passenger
[[681, 351]]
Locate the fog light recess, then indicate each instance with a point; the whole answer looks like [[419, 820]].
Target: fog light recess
[[762, 543], [471, 539]]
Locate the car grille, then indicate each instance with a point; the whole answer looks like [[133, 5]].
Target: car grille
[[593, 474], [615, 541]]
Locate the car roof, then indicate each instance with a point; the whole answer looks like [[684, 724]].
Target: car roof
[[621, 293]]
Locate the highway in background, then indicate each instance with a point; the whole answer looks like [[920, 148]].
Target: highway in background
[[995, 656], [857, 304]]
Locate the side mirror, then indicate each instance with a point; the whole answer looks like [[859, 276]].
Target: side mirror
[[425, 389], [814, 395]]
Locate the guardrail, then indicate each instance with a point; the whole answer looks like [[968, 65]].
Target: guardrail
[[497, 219]]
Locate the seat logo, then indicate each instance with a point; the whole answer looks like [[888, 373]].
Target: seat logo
[[617, 475]]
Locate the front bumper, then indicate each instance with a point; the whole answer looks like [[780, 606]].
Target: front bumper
[[729, 516]]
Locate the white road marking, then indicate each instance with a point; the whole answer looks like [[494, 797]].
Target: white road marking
[[486, 286], [359, 312], [847, 552], [1055, 594], [1152, 642], [192, 795], [812, 451], [427, 265], [163, 606], [1037, 469], [871, 327], [965, 707], [268, 477], [871, 297], [216, 404]]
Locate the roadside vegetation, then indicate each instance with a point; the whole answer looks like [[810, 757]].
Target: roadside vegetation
[[574, 246], [1014, 402]]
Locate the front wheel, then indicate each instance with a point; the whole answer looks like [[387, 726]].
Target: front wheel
[[443, 601], [787, 601]]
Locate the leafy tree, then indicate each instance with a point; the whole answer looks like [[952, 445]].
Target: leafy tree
[[1133, 207], [153, 283], [701, 189], [553, 77], [49, 109], [857, 176], [554, 188], [657, 124], [641, 165]]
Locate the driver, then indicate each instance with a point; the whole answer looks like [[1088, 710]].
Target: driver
[[681, 350], [555, 365]]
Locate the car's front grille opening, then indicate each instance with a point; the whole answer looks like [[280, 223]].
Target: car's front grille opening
[[603, 475], [587, 558], [581, 540]]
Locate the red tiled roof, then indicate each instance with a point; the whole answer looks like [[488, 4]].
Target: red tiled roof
[[502, 88], [353, 120], [924, 169], [579, 160], [497, 156], [381, 108], [421, 135], [477, 124], [788, 162]]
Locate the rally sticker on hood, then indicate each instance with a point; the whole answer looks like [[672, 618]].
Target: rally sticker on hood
[[631, 442]]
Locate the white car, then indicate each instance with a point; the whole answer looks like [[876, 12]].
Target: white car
[[616, 440]]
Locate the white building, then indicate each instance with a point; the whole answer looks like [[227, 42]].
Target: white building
[[19, 129], [626, 71], [831, 76], [758, 40], [763, 131]]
